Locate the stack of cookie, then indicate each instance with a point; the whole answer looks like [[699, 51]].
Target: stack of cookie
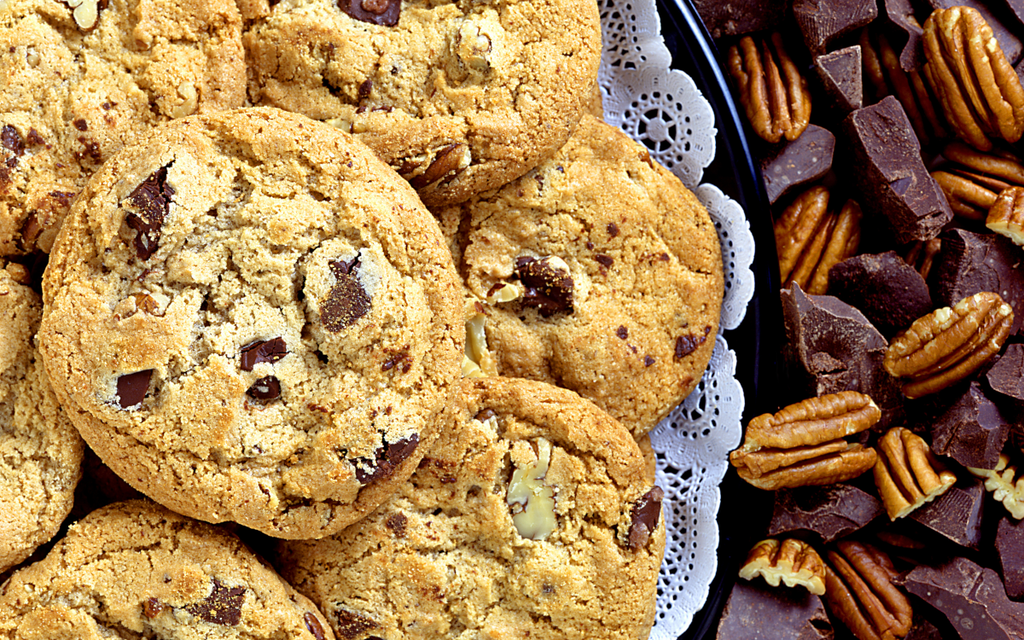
[[251, 316]]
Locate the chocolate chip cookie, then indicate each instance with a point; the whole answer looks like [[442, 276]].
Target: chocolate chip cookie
[[79, 79], [531, 517], [136, 570], [250, 317], [40, 451], [599, 272], [458, 97]]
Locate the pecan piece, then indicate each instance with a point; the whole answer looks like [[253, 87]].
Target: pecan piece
[[980, 92], [1000, 481], [810, 239], [794, 562], [859, 590], [772, 91], [949, 344], [972, 179], [477, 361], [802, 444], [1006, 216], [907, 474], [921, 254]]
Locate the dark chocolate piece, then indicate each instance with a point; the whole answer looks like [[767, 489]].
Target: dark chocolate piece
[[968, 263], [266, 388], [347, 301], [972, 431], [1005, 36], [353, 624], [548, 289], [132, 388], [893, 182], [1006, 379], [644, 518], [685, 345], [971, 597], [1010, 547], [152, 201], [223, 606], [739, 17], [11, 140], [823, 21], [380, 12], [841, 76], [314, 626], [756, 611], [796, 163], [397, 523], [263, 351], [957, 513], [923, 629], [386, 459], [888, 291], [900, 13], [833, 511]]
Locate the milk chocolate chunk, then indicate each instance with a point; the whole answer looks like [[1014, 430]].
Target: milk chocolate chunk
[[795, 163], [386, 459], [353, 624], [841, 76], [894, 183], [380, 12], [151, 201], [347, 301], [645, 514], [968, 263], [1004, 33], [972, 431], [1010, 547], [832, 511], [223, 606], [823, 21], [957, 513], [794, 614], [132, 388], [971, 597], [549, 287], [887, 290], [739, 17], [261, 351]]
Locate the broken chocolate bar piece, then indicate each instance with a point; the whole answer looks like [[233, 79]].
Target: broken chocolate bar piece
[[887, 290], [795, 614], [841, 76], [823, 21], [893, 182], [1006, 379], [1010, 547], [900, 13], [971, 597], [833, 511], [972, 431], [799, 162], [740, 17], [957, 513]]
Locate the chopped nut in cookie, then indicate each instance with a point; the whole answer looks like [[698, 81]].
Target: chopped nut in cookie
[[531, 500]]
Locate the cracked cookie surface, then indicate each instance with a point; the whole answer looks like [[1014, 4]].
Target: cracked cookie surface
[[136, 570], [599, 272], [457, 96], [76, 88], [249, 317], [533, 515]]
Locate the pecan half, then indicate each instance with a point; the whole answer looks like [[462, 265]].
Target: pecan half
[[794, 562], [921, 254], [949, 344], [810, 239], [803, 443], [1000, 481], [860, 592], [1006, 216], [773, 93], [907, 474], [979, 90], [972, 179]]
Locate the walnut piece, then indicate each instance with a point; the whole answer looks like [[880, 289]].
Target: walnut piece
[[531, 500], [1000, 481], [85, 13], [772, 91], [1006, 216], [907, 474], [949, 344], [794, 562], [477, 361], [860, 592], [810, 239]]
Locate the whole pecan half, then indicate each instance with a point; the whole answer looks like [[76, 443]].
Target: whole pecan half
[[1006, 216], [803, 444], [859, 590], [907, 474], [972, 179], [811, 239], [949, 344], [980, 92], [773, 93], [794, 562]]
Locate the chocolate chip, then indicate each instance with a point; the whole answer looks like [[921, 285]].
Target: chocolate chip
[[386, 459], [644, 518], [606, 261], [266, 388], [34, 139], [11, 140], [380, 12], [263, 351], [223, 606], [648, 361], [313, 624], [151, 608], [152, 199], [80, 124], [397, 523], [446, 164], [366, 87], [132, 388], [352, 624], [347, 301], [685, 345], [548, 289], [622, 332], [402, 360], [613, 229]]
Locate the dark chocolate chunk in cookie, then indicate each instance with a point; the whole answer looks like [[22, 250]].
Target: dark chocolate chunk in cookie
[[132, 388], [549, 286], [386, 459], [260, 351], [645, 515], [347, 301], [380, 12], [223, 605], [152, 200]]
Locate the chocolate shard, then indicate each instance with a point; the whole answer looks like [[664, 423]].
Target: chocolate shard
[[380, 12], [266, 388], [823, 21], [971, 597], [832, 511], [794, 614], [260, 351], [841, 77], [11, 140], [893, 182], [353, 624], [644, 518], [972, 431], [347, 300], [386, 459], [739, 17], [549, 286], [957, 513], [887, 290], [900, 13], [223, 606], [132, 388], [151, 201], [1010, 547], [797, 163]]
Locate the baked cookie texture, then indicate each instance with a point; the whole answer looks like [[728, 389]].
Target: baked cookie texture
[[134, 569], [250, 317], [599, 272], [40, 451], [458, 96], [532, 516], [77, 84]]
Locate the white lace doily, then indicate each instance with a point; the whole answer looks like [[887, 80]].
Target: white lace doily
[[662, 108]]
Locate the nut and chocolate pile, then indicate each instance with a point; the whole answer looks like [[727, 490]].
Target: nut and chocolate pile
[[889, 139]]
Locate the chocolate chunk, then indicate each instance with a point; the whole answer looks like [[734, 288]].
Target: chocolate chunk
[[380, 12], [795, 163], [900, 13], [622, 332], [888, 291], [397, 524], [263, 351], [957, 513], [1010, 547], [823, 21], [923, 629], [548, 284], [644, 518], [132, 388], [968, 263], [891, 177], [151, 608], [840, 75], [685, 345], [605, 261], [1007, 39], [266, 388], [738, 17], [347, 300], [972, 431], [1006, 379], [832, 511], [613, 229], [386, 459], [757, 611], [223, 606], [353, 624], [11, 140], [971, 597], [152, 201], [314, 626]]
